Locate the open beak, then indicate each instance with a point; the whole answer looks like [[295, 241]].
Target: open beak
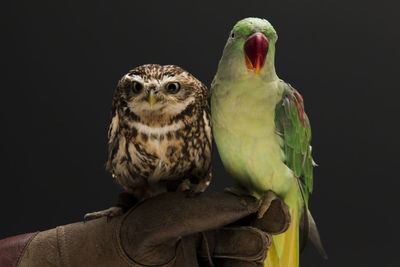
[[152, 98], [255, 51]]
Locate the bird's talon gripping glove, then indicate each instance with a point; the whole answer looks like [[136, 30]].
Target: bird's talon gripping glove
[[168, 230], [125, 202]]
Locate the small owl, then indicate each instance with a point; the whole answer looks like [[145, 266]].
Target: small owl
[[160, 133]]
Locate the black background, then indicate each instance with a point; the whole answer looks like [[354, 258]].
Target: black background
[[61, 61]]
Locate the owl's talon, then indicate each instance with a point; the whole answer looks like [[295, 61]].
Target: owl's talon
[[109, 213]]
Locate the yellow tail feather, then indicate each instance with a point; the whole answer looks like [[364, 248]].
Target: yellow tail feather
[[284, 251]]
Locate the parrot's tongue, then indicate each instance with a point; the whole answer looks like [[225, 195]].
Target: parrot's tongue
[[255, 50]]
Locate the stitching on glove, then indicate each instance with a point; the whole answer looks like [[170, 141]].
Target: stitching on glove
[[62, 246]]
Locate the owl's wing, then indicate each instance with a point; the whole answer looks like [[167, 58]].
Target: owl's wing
[[112, 132]]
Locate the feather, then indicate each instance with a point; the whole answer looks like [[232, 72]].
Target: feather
[[315, 237], [310, 228], [305, 223], [296, 135], [284, 251], [151, 144]]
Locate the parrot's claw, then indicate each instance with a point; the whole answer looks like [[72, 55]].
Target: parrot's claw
[[265, 203], [109, 213], [240, 192]]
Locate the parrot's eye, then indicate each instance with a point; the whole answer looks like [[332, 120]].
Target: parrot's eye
[[173, 88], [137, 87], [233, 35]]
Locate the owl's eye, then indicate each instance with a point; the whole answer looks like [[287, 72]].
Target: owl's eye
[[173, 88], [137, 87]]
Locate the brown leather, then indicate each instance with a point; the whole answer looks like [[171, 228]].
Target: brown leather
[[164, 231], [235, 246], [167, 217], [276, 219], [94, 243], [11, 249], [116, 242], [235, 263], [239, 243]]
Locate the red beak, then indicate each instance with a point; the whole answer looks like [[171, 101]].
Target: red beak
[[255, 50]]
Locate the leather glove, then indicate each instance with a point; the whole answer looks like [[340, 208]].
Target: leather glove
[[171, 229]]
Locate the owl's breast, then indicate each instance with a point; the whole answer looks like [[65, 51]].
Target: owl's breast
[[181, 151], [168, 152]]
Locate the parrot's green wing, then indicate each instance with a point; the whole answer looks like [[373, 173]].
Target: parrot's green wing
[[293, 126]]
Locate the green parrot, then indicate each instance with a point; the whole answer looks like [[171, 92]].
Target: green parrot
[[263, 134]]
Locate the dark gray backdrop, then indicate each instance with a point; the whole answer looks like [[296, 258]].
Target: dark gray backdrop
[[61, 62]]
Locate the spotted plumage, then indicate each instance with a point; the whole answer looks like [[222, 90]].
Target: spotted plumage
[[160, 135]]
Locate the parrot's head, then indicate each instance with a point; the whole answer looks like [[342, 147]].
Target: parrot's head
[[250, 49]]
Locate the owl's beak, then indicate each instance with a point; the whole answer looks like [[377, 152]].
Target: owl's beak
[[152, 98]]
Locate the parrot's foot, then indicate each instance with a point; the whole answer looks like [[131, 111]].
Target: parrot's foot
[[240, 192], [109, 213], [266, 200]]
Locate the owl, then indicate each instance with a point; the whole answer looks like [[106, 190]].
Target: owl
[[160, 133], [159, 138]]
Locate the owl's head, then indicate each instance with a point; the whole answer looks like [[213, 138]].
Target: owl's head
[[154, 91]]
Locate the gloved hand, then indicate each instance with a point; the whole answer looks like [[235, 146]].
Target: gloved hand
[[171, 229]]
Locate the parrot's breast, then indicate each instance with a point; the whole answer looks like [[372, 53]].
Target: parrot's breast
[[243, 119]]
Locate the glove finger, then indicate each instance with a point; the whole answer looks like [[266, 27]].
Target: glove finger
[[169, 216], [236, 243], [236, 263], [156, 224]]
